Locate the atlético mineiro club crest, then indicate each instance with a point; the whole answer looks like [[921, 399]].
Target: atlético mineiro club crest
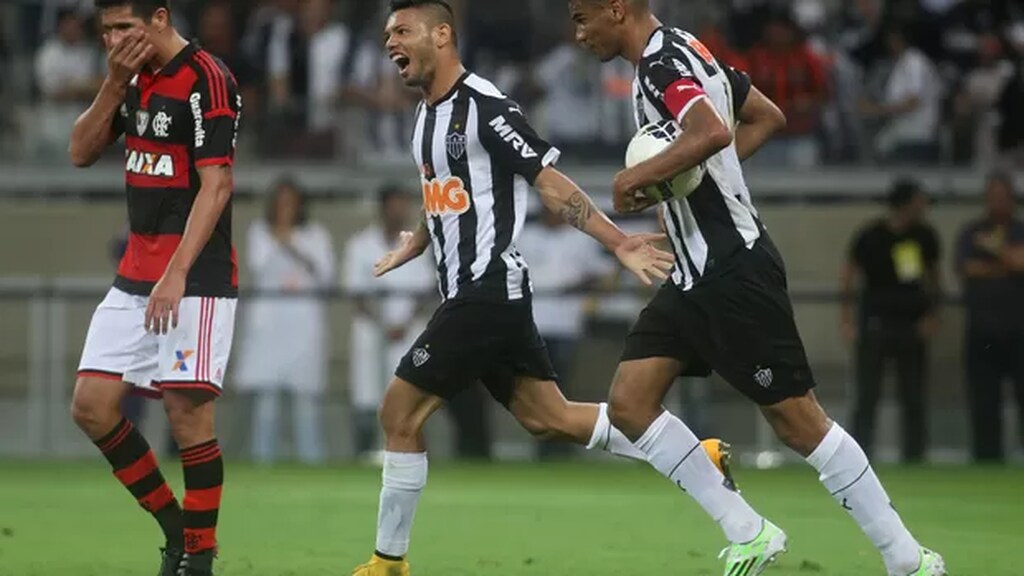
[[456, 144], [142, 121]]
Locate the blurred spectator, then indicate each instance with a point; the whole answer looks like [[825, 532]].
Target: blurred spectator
[[718, 43], [561, 261], [966, 23], [67, 71], [571, 83], [975, 105], [860, 31], [786, 69], [990, 261], [500, 41], [384, 326], [746, 21], [285, 340], [217, 34], [384, 103], [907, 111], [268, 21], [305, 63], [896, 261], [1011, 114]]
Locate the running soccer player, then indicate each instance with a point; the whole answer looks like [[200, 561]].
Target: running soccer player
[[727, 308], [478, 157], [165, 327]]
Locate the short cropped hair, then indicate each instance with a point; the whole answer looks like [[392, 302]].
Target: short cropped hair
[[141, 8], [439, 9], [903, 193]]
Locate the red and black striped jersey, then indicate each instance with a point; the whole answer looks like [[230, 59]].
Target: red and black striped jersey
[[175, 121]]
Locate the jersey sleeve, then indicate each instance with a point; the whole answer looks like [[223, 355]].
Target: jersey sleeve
[[740, 84], [670, 78], [216, 107], [117, 124], [511, 141]]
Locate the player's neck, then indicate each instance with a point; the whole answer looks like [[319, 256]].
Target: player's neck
[[166, 50], [641, 34], [445, 78]]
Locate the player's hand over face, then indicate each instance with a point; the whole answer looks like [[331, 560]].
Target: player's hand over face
[[164, 300], [127, 57], [397, 257], [639, 255]]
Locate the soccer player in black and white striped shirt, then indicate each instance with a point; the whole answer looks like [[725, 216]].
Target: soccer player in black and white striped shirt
[[727, 307], [478, 157]]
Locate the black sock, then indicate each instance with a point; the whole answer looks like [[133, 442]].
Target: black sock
[[136, 467]]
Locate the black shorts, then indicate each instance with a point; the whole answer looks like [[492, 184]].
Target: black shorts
[[739, 324], [471, 341]]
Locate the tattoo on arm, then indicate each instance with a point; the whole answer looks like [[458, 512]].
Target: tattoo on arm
[[577, 210]]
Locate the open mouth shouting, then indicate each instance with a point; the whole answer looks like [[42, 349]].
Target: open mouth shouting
[[402, 61]]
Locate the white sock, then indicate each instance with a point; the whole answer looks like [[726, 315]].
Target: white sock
[[675, 451], [848, 475], [610, 438], [405, 475]]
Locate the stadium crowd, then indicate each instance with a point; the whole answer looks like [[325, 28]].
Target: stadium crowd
[[865, 81]]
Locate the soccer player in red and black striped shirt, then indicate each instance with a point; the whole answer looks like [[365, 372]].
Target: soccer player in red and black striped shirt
[[165, 327]]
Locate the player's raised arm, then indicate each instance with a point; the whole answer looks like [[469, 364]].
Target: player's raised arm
[[100, 125], [759, 119]]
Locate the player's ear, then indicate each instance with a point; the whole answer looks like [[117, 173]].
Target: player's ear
[[161, 19], [442, 35], [617, 9]]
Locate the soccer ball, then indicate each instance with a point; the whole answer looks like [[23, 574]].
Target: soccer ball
[[649, 142]]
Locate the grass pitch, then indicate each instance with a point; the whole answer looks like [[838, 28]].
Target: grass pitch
[[528, 520]]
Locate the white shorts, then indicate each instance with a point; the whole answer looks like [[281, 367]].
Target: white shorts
[[193, 356]]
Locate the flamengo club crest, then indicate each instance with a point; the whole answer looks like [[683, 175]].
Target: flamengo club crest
[[456, 144], [142, 121]]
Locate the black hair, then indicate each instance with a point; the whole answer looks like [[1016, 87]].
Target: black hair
[[397, 5], [289, 183], [903, 193], [445, 12], [389, 192], [141, 8]]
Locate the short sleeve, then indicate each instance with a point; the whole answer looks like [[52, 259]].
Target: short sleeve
[[120, 120], [740, 84], [670, 77], [511, 141], [216, 107], [857, 251]]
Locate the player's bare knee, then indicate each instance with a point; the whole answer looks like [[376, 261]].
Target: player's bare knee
[[190, 417], [398, 425], [799, 423], [629, 414], [94, 412]]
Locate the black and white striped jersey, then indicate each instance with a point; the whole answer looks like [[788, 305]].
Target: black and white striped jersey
[[478, 157], [718, 218]]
